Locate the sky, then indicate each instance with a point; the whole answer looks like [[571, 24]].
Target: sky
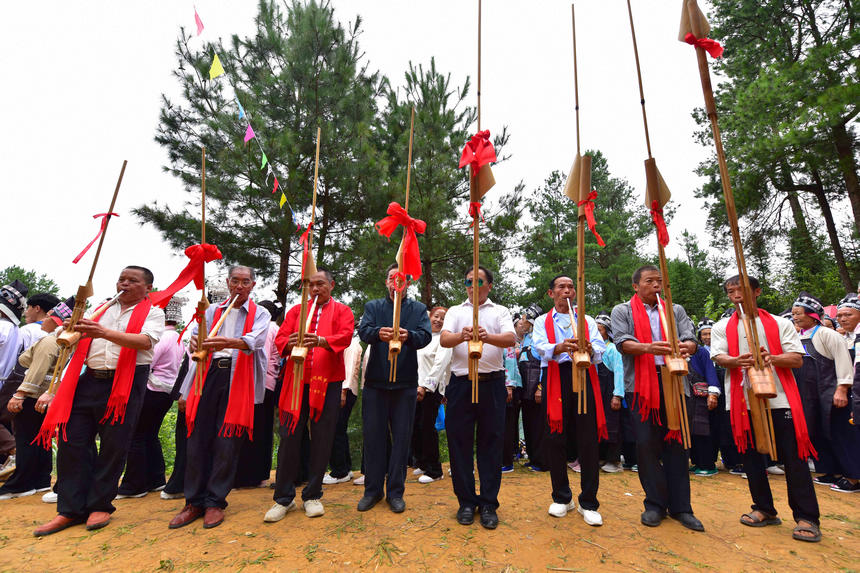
[[84, 82]]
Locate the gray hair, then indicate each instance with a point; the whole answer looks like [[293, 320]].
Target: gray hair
[[233, 268]]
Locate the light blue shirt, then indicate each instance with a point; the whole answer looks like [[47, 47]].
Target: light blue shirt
[[544, 350], [612, 360], [10, 344]]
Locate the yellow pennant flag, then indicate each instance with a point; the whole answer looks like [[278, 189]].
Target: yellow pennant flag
[[217, 69], [283, 200]]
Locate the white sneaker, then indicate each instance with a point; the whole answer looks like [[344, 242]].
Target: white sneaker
[[165, 495], [328, 480], [278, 512], [130, 496], [590, 516], [17, 494], [424, 478], [358, 481], [612, 468], [561, 509], [775, 471], [417, 472], [159, 488], [50, 497], [8, 467], [314, 508]]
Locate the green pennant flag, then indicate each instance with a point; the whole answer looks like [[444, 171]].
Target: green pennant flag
[[265, 160]]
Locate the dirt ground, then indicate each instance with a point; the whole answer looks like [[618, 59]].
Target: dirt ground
[[427, 538]]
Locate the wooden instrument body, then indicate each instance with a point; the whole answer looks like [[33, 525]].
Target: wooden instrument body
[[69, 337], [202, 354]]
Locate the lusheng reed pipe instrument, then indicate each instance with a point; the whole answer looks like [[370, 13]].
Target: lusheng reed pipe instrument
[[580, 361], [202, 354], [203, 303], [299, 352], [656, 196], [694, 27]]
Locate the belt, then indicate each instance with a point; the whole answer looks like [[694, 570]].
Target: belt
[[222, 362], [483, 377], [101, 373]]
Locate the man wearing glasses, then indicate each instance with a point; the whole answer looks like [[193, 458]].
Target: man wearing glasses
[[220, 417], [496, 331]]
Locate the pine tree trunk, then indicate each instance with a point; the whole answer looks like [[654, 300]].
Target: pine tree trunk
[[845, 153], [283, 271], [844, 276], [427, 291]]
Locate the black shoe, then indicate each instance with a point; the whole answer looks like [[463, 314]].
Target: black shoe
[[466, 515], [651, 518], [397, 505], [689, 521], [489, 519], [367, 502]]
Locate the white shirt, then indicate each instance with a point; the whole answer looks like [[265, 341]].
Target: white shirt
[[545, 350], [229, 325], [10, 344], [830, 344], [31, 334], [495, 318], [434, 365], [351, 363], [788, 337], [103, 354]]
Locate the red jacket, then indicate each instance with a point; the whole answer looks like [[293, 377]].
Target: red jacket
[[336, 324]]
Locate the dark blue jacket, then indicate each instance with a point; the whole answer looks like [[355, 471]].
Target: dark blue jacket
[[414, 318]]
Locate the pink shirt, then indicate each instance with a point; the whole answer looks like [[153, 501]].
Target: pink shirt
[[273, 360], [166, 358]]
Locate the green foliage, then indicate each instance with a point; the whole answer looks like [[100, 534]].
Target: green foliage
[[34, 280]]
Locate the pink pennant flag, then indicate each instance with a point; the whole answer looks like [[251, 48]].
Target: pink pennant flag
[[198, 21], [276, 185], [249, 134]]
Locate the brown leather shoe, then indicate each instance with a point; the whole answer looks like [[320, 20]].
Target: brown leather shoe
[[97, 520], [213, 518], [59, 523], [188, 514]]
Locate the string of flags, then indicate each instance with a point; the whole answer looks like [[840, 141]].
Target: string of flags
[[216, 69]]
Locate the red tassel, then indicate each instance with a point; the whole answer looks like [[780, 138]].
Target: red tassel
[[714, 49]]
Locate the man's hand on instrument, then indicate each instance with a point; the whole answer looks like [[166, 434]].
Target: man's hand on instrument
[[840, 397], [292, 340], [421, 392], [217, 343], [90, 328], [43, 402], [314, 340], [766, 357], [466, 334], [404, 334], [192, 344], [688, 348], [565, 346], [712, 401], [660, 348], [615, 404], [386, 333], [744, 361]]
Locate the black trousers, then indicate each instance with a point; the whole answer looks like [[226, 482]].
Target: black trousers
[[425, 434], [583, 429], [461, 420], [144, 469], [663, 465], [176, 483], [628, 435], [798, 480], [86, 484], [533, 431], [212, 459], [255, 459], [383, 411], [321, 435], [32, 461], [728, 449], [512, 426], [340, 461]]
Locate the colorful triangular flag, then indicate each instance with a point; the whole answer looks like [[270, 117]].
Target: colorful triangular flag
[[276, 185], [265, 160], [283, 200], [241, 109], [216, 69], [198, 21], [249, 134]]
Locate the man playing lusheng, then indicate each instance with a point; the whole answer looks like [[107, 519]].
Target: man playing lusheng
[[782, 351], [104, 401], [318, 393], [662, 460], [496, 331]]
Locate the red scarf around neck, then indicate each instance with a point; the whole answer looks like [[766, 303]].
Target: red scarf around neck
[[741, 430], [554, 411], [646, 389], [318, 383], [61, 406], [239, 417]]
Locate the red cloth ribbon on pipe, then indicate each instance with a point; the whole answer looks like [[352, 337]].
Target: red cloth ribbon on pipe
[[660, 223], [711, 46], [105, 217], [193, 271], [478, 151], [475, 210], [588, 205], [397, 216], [304, 241]]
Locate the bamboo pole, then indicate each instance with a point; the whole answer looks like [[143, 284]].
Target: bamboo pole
[[203, 304]]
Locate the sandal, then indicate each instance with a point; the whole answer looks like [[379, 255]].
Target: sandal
[[811, 528], [754, 521]]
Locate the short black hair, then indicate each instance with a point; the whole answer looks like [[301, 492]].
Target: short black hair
[[327, 273], [555, 278], [147, 274], [736, 280], [637, 274], [44, 300], [391, 267], [487, 273]]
